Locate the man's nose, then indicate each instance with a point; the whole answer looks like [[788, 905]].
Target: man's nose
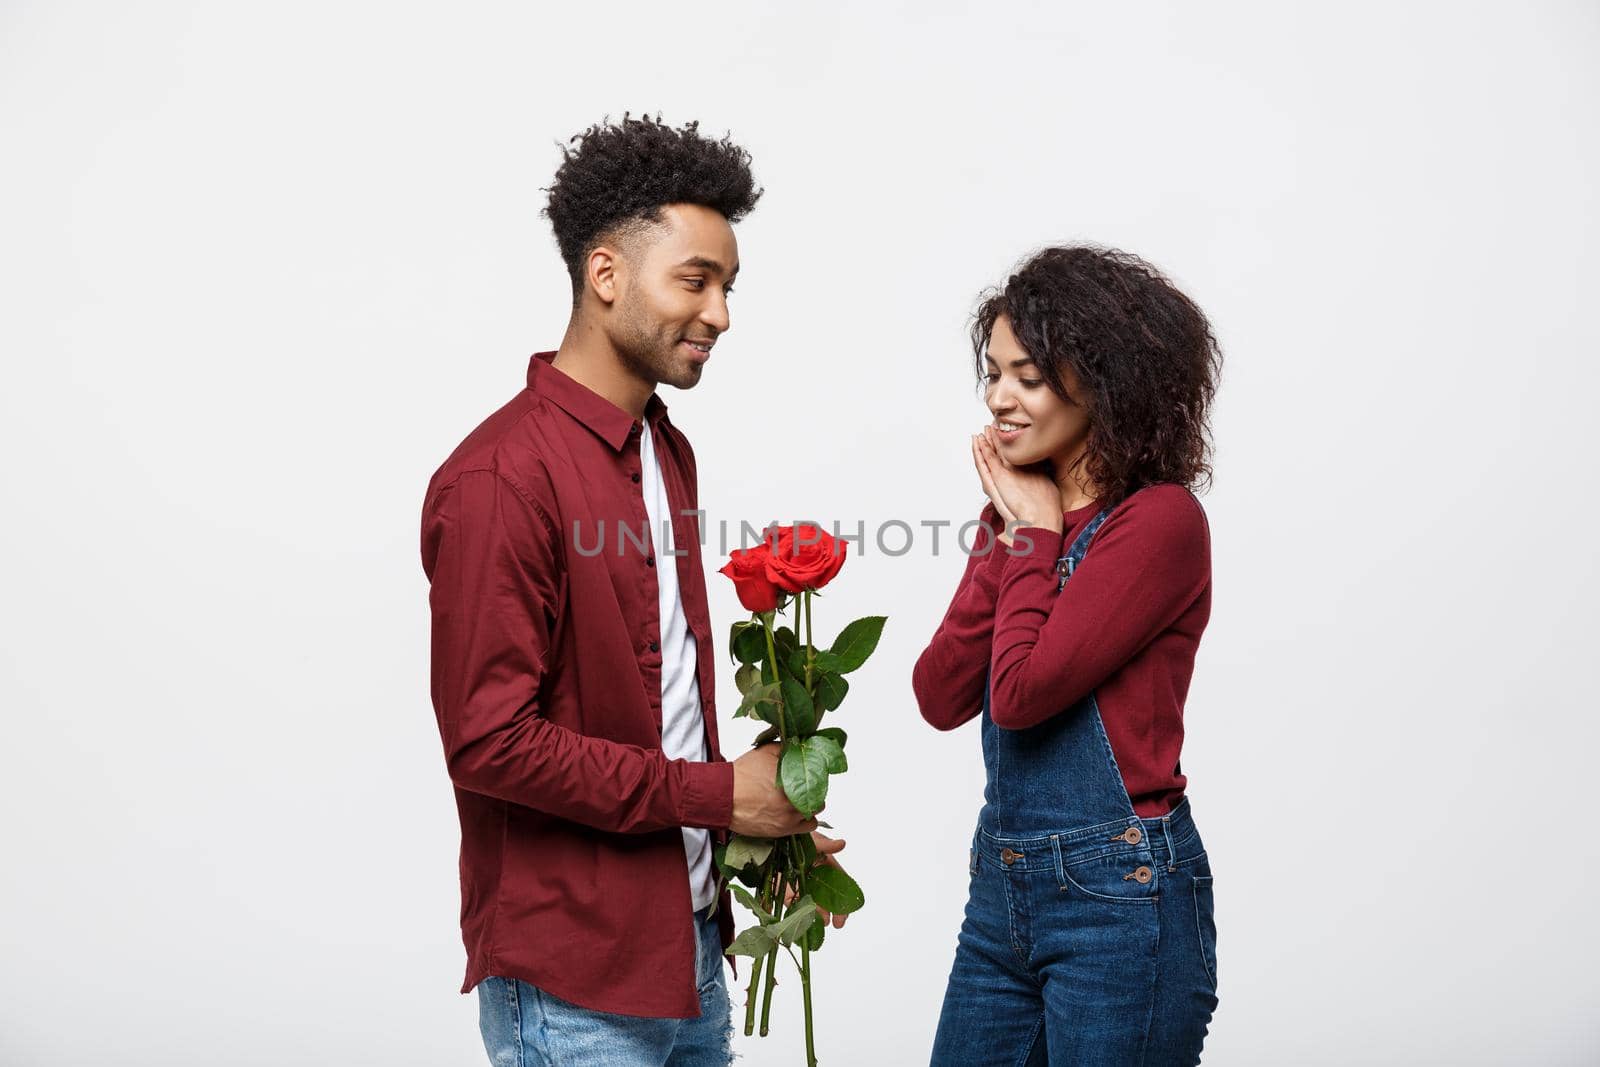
[[715, 314]]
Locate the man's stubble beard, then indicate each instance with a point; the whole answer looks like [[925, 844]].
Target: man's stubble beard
[[650, 355]]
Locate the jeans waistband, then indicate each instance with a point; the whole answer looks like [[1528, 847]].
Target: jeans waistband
[[1171, 838]]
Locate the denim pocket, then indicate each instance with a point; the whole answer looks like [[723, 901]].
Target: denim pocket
[[1118, 878], [1205, 923]]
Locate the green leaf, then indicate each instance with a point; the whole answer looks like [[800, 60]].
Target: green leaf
[[744, 851], [834, 890], [808, 849], [747, 643], [748, 899], [801, 715], [833, 732], [794, 662], [756, 941], [802, 914], [746, 676], [815, 934], [803, 769], [830, 689], [836, 763], [765, 736], [856, 642], [762, 701]]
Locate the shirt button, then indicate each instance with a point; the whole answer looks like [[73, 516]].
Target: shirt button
[[649, 561], [634, 476], [655, 646]]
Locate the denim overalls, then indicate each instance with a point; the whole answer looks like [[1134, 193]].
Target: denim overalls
[[1089, 935]]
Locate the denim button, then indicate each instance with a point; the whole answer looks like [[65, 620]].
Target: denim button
[[1140, 875], [1009, 856], [1132, 836]]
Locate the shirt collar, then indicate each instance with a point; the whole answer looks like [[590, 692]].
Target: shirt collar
[[609, 422]]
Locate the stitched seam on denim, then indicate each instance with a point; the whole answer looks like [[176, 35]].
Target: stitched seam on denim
[[545, 1055], [1075, 832], [1150, 1011], [1193, 833], [1011, 921], [711, 983], [1105, 742], [1033, 1038], [1151, 899], [1199, 932], [514, 1002]]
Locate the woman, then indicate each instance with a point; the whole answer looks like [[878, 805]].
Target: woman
[[1088, 936]]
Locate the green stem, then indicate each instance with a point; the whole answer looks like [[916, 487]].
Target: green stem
[[750, 995], [805, 990], [810, 652], [772, 659], [765, 899], [772, 958]]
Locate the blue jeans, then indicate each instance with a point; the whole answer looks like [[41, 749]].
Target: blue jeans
[[1064, 959], [522, 1025]]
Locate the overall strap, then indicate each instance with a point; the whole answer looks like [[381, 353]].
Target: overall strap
[[1069, 562]]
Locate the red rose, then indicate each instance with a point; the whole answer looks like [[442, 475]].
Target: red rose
[[748, 569], [804, 557]]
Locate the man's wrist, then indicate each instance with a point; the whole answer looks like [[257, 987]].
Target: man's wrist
[[707, 795]]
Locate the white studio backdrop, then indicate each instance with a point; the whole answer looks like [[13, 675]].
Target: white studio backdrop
[[265, 264]]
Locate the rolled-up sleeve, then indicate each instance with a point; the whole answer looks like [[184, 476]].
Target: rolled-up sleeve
[[493, 558]]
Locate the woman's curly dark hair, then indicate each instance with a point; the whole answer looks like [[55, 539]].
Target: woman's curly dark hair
[[622, 174], [1143, 353]]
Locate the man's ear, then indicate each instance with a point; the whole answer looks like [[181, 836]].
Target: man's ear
[[600, 273]]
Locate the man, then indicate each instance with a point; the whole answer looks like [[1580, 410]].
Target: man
[[572, 660]]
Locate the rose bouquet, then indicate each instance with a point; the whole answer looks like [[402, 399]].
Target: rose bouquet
[[790, 684]]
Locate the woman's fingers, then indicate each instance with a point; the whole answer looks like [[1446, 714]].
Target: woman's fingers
[[982, 467], [995, 458], [997, 481], [986, 474]]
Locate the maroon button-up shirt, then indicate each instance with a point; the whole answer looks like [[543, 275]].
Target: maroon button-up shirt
[[546, 678]]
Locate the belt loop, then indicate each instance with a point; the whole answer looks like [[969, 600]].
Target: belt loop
[[1166, 832], [1061, 870]]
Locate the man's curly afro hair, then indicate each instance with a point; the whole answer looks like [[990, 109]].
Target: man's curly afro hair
[[620, 175]]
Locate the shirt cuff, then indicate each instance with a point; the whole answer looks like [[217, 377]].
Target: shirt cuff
[[707, 794], [1040, 556]]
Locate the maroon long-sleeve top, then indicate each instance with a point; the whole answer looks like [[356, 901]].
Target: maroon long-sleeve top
[[546, 677], [1126, 627]]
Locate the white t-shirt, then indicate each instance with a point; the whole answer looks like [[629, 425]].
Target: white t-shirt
[[682, 718]]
